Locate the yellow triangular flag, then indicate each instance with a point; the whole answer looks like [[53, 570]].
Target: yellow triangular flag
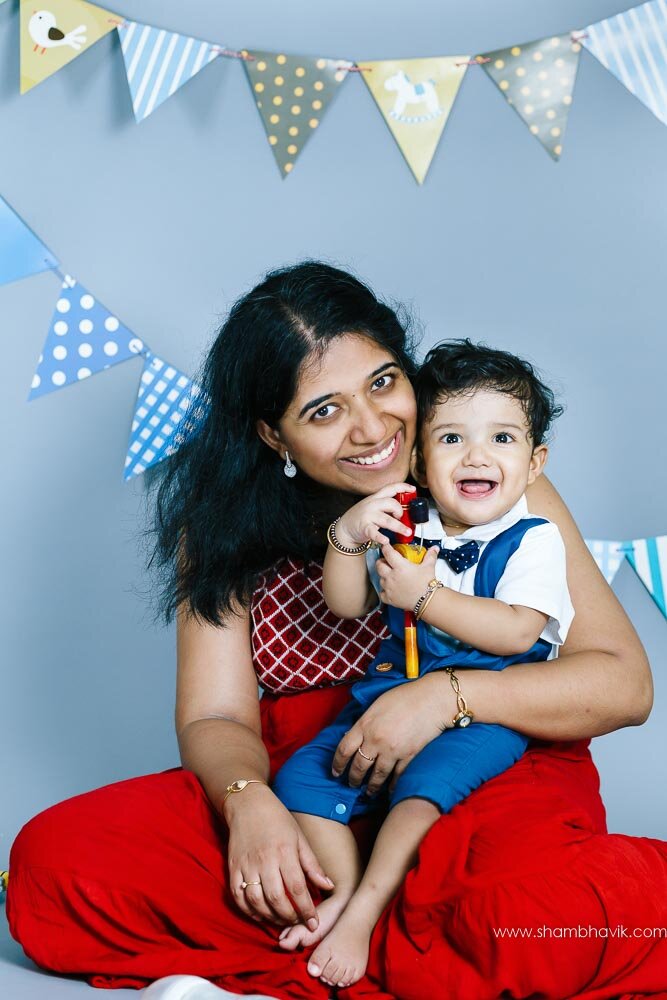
[[51, 38], [415, 97]]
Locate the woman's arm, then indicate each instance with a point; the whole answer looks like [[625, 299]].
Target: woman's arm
[[219, 736], [599, 683]]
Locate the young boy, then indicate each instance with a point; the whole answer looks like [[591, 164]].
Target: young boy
[[490, 591]]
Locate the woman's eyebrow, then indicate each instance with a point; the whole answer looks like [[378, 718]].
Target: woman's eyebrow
[[330, 395]]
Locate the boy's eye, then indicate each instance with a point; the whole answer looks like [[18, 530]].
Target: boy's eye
[[503, 438], [451, 438], [324, 412]]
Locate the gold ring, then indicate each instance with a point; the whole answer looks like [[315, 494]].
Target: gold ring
[[244, 884], [365, 755]]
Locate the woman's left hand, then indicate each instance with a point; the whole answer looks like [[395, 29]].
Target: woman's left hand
[[394, 729]]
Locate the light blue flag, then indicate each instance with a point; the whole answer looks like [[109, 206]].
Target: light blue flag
[[633, 46], [21, 252], [158, 62], [648, 557], [84, 338], [608, 556], [169, 406]]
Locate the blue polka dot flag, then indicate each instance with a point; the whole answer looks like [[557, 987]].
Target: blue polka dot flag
[[84, 338], [21, 252], [633, 47], [168, 406], [158, 62]]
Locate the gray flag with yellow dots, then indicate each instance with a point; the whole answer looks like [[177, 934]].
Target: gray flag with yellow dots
[[537, 80], [292, 94]]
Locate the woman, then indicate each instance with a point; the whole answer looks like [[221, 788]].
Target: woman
[[310, 373]]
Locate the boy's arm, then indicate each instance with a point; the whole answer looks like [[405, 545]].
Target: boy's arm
[[346, 584], [484, 622]]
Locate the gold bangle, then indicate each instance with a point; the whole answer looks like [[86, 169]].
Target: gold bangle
[[344, 549], [239, 785], [422, 603]]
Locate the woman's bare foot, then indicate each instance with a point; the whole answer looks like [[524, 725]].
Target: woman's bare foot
[[298, 935], [342, 956]]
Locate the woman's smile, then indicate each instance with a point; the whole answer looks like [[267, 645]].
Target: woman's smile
[[380, 457]]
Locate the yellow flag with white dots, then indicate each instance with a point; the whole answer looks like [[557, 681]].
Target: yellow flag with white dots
[[537, 80], [292, 93], [53, 35]]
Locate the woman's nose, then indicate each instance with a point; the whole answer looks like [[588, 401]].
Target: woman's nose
[[368, 427]]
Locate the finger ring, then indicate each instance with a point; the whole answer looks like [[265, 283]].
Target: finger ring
[[365, 755], [244, 884]]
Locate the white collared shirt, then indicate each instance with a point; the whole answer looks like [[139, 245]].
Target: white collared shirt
[[534, 577]]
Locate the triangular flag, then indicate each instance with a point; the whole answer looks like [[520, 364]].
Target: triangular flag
[[21, 252], [537, 80], [158, 62], [608, 556], [84, 338], [648, 558], [633, 46], [415, 97], [292, 93], [165, 414], [52, 38]]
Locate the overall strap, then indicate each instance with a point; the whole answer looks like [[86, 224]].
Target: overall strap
[[496, 554]]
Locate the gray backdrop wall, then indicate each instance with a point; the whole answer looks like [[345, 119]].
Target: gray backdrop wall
[[168, 221]]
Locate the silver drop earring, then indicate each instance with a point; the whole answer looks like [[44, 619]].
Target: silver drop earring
[[290, 467]]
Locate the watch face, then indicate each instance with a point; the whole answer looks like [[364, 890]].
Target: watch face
[[465, 721]]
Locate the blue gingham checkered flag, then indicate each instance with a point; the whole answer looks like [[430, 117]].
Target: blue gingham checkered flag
[[168, 405], [633, 47], [84, 338], [158, 62], [608, 556]]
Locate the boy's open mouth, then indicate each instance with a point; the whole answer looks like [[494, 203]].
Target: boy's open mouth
[[474, 489]]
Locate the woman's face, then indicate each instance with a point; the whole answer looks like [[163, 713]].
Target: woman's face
[[352, 423]]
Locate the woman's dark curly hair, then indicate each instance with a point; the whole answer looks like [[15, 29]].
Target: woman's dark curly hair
[[224, 512]]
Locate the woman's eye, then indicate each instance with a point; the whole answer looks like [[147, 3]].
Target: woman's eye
[[451, 438], [503, 438], [324, 412], [383, 381]]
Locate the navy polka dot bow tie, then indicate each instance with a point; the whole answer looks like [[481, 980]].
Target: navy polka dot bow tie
[[462, 558]]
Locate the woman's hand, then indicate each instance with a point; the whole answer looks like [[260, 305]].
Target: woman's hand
[[362, 522], [267, 846], [394, 729]]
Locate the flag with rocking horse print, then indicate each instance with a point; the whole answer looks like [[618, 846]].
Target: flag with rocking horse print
[[416, 97], [57, 33]]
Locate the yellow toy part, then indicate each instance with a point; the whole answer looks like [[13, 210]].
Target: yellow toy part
[[413, 553]]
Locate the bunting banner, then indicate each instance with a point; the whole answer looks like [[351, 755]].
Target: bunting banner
[[158, 62], [165, 412], [608, 556], [21, 252], [51, 38], [537, 80], [84, 338], [633, 47], [648, 558], [292, 94], [416, 97]]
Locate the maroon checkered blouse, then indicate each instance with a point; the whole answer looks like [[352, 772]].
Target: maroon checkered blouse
[[297, 642]]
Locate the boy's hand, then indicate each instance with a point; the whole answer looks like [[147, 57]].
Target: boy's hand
[[403, 582], [362, 522]]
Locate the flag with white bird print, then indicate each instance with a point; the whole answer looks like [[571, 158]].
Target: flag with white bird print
[[158, 62], [53, 35]]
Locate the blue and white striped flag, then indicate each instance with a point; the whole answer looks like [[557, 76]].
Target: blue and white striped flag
[[168, 406], [608, 556], [158, 62], [633, 46], [648, 557]]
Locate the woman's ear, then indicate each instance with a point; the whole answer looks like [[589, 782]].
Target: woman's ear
[[270, 436], [417, 470]]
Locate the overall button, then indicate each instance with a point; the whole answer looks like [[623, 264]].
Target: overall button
[[382, 668], [341, 808]]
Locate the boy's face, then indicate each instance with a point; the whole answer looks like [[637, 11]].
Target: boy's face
[[478, 457]]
